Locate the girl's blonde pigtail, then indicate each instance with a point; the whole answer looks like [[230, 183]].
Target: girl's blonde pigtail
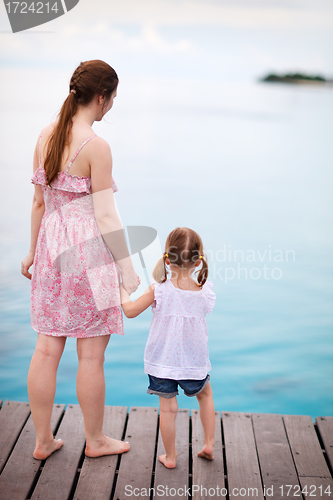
[[203, 272], [160, 273]]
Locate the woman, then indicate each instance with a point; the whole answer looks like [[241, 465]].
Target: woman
[[75, 282]]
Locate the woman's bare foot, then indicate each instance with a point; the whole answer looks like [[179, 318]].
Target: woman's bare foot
[[206, 452], [170, 463], [43, 451], [106, 446]]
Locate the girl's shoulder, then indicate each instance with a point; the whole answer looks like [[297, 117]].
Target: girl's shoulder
[[161, 289], [158, 294], [210, 296], [208, 286], [156, 285]]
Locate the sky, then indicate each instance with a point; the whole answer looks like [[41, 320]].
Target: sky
[[229, 40]]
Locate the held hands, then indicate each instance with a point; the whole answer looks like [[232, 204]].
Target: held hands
[[130, 281], [26, 264], [133, 309]]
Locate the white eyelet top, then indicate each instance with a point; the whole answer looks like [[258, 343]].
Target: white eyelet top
[[177, 345]]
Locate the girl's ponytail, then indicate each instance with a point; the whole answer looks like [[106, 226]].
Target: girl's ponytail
[[160, 272], [203, 272]]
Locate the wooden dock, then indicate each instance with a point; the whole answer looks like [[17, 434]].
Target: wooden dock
[[257, 455]]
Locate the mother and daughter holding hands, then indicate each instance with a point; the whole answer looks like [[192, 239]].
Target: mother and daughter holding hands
[[83, 277]]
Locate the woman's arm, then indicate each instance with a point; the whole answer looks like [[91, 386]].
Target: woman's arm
[[105, 211], [37, 212], [133, 309]]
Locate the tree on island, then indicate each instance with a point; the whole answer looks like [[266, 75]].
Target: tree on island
[[293, 78]]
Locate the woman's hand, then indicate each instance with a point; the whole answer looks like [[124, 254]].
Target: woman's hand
[[26, 264], [130, 281]]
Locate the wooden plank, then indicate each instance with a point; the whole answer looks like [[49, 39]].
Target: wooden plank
[[276, 462], [208, 476], [305, 447], [317, 488], [20, 471], [60, 468], [97, 474], [174, 482], [325, 427], [241, 456], [13, 416], [136, 466]]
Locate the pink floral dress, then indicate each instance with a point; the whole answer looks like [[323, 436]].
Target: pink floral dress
[[75, 279]]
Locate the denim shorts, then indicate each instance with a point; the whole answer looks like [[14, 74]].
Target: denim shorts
[[168, 388]]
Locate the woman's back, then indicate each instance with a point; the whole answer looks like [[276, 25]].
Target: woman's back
[[79, 133], [74, 177], [66, 187]]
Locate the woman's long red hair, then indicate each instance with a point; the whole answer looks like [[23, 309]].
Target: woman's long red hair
[[89, 79]]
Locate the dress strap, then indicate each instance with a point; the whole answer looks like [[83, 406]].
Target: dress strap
[[77, 152]]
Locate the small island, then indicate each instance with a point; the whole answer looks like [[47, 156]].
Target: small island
[[295, 78]]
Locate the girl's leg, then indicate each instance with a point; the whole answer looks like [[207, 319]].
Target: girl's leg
[[41, 389], [168, 414], [90, 389], [207, 416]]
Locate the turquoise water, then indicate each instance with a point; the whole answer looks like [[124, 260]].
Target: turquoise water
[[249, 167]]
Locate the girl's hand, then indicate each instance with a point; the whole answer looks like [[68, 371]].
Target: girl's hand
[[26, 264], [131, 281], [133, 309]]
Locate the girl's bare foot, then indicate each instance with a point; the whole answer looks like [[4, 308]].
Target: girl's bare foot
[[106, 446], [43, 451], [170, 463], [206, 452]]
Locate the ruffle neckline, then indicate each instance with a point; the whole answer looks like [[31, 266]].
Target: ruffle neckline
[[66, 182], [206, 292], [207, 286]]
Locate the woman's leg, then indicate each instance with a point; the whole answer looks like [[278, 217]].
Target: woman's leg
[[41, 389], [168, 414], [90, 389], [207, 416]]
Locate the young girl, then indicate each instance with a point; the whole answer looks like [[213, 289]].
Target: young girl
[[176, 352]]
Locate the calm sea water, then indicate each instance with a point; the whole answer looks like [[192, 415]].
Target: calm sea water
[[249, 167]]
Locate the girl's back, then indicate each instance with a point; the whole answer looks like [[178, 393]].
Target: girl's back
[[173, 301], [178, 337]]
